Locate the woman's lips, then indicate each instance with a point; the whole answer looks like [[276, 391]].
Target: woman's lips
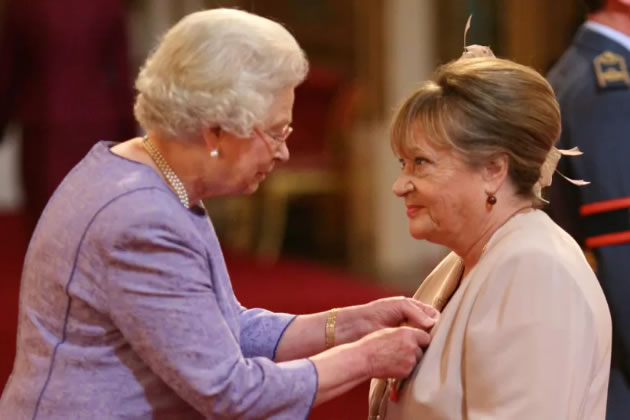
[[413, 210]]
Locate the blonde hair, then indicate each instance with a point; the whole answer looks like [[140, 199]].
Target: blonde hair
[[217, 67], [482, 107]]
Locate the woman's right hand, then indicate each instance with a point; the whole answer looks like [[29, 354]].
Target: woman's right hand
[[386, 353], [393, 352]]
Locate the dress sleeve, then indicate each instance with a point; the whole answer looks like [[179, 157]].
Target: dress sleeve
[[163, 302], [261, 331], [530, 343]]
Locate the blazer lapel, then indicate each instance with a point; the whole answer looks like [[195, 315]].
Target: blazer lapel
[[436, 290]]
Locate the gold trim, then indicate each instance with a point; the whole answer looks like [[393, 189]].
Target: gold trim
[[610, 68]]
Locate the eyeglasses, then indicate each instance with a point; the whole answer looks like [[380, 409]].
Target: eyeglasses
[[277, 139]]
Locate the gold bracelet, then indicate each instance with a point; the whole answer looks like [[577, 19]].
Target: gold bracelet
[[331, 324]]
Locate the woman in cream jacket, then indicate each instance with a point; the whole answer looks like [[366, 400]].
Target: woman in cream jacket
[[526, 332]]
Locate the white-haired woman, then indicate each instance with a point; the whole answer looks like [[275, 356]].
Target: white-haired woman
[[126, 308]]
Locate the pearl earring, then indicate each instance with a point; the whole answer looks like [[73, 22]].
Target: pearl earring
[[214, 153]]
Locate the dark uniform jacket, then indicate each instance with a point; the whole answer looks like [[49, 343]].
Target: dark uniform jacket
[[593, 88]]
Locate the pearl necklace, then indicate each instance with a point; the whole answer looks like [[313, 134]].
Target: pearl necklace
[[166, 170]]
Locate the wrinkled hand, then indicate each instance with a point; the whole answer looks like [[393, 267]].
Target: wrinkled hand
[[397, 311], [394, 352]]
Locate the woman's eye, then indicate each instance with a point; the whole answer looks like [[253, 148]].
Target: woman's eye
[[402, 163], [419, 161]]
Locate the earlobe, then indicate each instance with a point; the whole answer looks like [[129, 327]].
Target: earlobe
[[211, 136], [216, 131]]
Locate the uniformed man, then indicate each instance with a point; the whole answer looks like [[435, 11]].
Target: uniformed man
[[592, 84]]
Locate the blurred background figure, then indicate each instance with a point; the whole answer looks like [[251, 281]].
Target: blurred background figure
[[592, 83], [65, 81]]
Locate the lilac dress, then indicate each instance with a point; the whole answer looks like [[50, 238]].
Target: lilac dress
[[127, 312]]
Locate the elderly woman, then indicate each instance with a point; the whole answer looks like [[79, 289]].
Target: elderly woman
[[526, 333], [126, 308]]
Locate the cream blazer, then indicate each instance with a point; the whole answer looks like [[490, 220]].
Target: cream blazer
[[526, 335]]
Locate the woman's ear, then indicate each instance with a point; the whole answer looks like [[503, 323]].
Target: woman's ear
[[495, 172], [216, 131], [211, 137]]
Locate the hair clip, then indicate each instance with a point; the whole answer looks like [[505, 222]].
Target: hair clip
[[549, 167], [474, 51]]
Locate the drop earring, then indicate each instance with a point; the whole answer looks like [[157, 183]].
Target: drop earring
[[490, 201], [214, 153]]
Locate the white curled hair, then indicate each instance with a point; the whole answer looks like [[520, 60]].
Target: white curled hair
[[216, 68]]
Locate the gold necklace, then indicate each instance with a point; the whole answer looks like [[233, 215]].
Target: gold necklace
[[166, 170]]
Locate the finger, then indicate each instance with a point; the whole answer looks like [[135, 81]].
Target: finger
[[419, 354], [428, 309], [417, 317], [423, 338]]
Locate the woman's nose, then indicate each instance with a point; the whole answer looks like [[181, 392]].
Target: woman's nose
[[402, 186], [282, 153]]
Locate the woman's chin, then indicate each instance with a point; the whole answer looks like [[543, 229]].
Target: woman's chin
[[243, 189], [418, 236], [419, 232], [253, 185], [250, 188]]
